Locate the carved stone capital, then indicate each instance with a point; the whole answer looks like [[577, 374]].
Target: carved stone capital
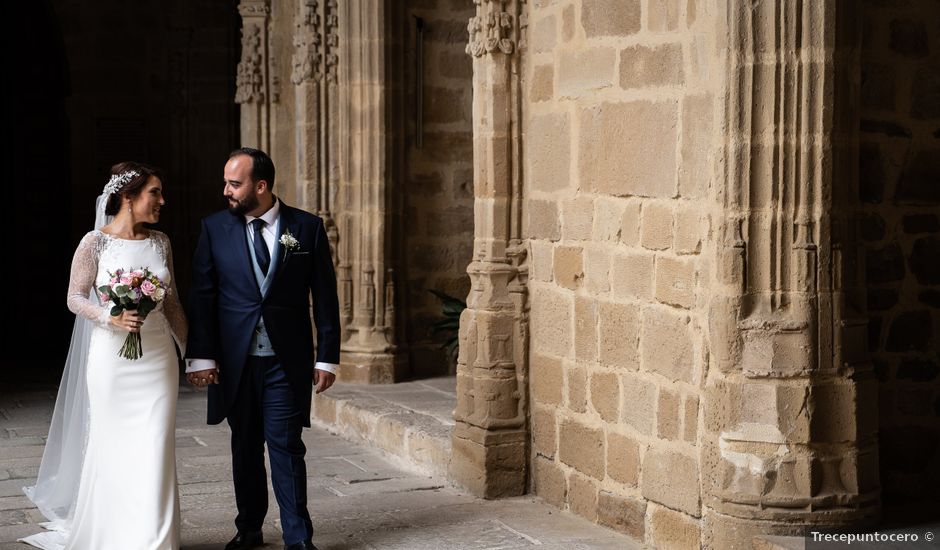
[[250, 85], [249, 76], [254, 8], [308, 40], [316, 42], [498, 27]]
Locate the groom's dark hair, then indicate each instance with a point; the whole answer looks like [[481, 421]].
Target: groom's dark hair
[[262, 167]]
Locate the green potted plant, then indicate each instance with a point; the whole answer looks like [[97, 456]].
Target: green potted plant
[[449, 325]]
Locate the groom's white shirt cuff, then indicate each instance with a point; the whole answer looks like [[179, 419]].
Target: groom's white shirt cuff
[[328, 367], [196, 365]]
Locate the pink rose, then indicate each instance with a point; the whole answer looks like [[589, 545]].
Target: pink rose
[[127, 279], [147, 288]]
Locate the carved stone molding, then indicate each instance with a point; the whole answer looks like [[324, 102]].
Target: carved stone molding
[[249, 78], [254, 8], [496, 27], [315, 108], [308, 40], [490, 436], [275, 84], [257, 85], [316, 42], [789, 443], [331, 45]]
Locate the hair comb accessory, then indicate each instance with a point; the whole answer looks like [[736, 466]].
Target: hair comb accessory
[[118, 181]]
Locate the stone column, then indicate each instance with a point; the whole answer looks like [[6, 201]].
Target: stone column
[[316, 100], [490, 436], [367, 146], [256, 83], [789, 437]]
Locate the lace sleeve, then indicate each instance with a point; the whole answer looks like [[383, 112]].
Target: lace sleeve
[[172, 307], [81, 280]]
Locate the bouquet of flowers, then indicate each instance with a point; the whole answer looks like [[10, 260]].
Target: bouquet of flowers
[[134, 290]]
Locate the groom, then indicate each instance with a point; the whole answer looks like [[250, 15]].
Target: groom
[[250, 340]]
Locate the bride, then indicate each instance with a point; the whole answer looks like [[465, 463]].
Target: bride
[[108, 475]]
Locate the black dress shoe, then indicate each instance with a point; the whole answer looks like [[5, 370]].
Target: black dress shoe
[[302, 545], [245, 541]]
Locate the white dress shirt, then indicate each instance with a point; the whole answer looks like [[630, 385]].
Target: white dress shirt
[[269, 234]]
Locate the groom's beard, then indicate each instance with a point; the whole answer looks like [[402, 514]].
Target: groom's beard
[[239, 208]]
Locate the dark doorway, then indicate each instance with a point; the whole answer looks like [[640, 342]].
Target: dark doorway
[[899, 188], [147, 81]]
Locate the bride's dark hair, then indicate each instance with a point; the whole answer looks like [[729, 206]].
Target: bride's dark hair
[[133, 187]]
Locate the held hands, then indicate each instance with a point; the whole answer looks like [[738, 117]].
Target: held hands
[[323, 379], [203, 378], [128, 320]]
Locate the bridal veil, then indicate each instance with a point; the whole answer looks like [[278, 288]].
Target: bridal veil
[[60, 471]]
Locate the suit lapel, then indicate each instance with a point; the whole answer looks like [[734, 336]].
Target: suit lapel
[[289, 223], [238, 240]]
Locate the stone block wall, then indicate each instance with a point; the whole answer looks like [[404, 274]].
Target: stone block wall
[[438, 218], [899, 165], [618, 137]]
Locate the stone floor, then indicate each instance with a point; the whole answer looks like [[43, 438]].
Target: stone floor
[[358, 497]]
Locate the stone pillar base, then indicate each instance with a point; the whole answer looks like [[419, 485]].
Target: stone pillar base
[[371, 368], [488, 463], [724, 531]]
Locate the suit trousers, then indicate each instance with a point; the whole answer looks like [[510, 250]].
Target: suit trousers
[[264, 412]]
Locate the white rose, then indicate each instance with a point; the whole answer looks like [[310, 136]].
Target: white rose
[[158, 294]]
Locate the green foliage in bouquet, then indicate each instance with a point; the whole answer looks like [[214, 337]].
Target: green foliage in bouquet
[[138, 290]]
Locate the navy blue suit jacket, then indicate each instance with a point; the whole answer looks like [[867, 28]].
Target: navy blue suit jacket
[[226, 303]]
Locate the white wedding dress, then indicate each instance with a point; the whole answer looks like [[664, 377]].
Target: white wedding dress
[[127, 496]]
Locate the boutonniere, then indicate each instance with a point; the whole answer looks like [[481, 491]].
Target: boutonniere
[[289, 243]]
